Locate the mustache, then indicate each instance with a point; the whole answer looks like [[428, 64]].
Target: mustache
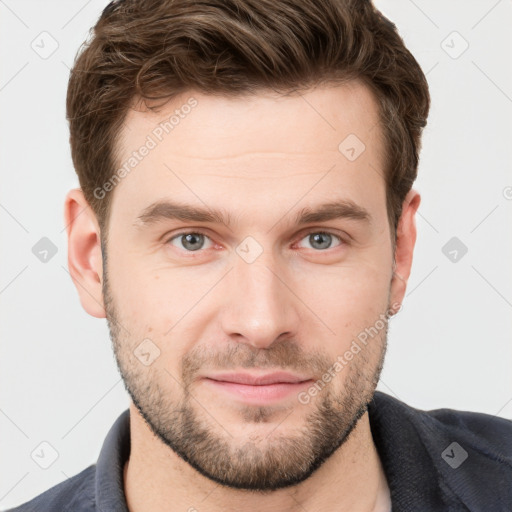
[[286, 355]]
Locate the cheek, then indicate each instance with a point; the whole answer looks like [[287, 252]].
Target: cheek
[[150, 310], [159, 303], [348, 299], [141, 298]]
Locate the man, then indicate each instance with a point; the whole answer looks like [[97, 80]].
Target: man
[[246, 224]]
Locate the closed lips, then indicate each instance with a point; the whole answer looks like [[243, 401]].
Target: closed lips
[[259, 380]]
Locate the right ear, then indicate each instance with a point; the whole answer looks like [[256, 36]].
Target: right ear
[[85, 260]]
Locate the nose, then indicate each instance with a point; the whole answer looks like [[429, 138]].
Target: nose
[[260, 306]]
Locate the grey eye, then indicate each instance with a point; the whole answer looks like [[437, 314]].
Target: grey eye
[[320, 240], [190, 241]]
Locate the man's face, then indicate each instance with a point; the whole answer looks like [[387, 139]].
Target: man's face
[[190, 299]]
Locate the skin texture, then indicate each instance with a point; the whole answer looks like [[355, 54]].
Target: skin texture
[[297, 307]]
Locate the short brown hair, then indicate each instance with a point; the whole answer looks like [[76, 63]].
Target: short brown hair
[[157, 49]]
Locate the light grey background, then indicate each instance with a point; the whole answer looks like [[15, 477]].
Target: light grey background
[[450, 346]]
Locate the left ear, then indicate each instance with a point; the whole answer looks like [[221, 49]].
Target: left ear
[[405, 241]]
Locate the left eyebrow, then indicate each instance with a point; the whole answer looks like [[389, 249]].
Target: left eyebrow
[[161, 210], [341, 209]]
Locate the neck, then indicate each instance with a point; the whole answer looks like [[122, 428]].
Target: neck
[[158, 480]]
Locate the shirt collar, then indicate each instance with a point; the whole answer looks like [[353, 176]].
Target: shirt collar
[[109, 484]]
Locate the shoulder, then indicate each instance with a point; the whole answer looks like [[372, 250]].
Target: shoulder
[[74, 494], [469, 453], [476, 425], [476, 428]]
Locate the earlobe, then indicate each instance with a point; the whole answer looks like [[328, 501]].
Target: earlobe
[[405, 242], [84, 252]]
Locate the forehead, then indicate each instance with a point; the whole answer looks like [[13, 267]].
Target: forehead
[[209, 148], [262, 122]]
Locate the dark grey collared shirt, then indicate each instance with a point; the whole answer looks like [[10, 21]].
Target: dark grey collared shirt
[[435, 461]]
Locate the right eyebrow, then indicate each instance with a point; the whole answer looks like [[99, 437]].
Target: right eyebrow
[[161, 210]]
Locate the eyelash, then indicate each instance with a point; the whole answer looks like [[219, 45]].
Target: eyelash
[[342, 240]]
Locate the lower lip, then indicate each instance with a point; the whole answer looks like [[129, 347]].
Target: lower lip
[[260, 394]]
